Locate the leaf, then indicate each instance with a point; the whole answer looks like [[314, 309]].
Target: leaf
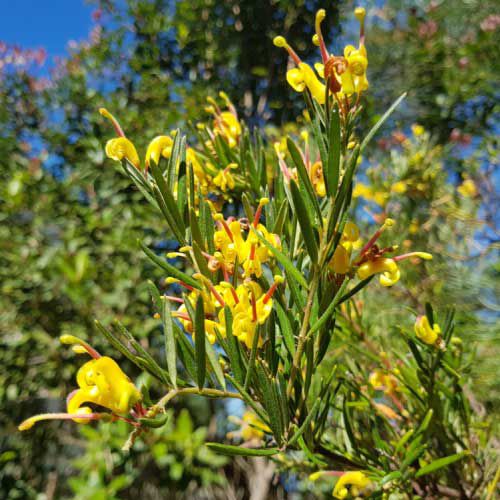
[[382, 120], [332, 171], [441, 462], [171, 270], [170, 350], [155, 295], [214, 363], [199, 341], [167, 204], [330, 309], [233, 348], [280, 218], [120, 347], [306, 422], [306, 224], [292, 271], [285, 328], [251, 362], [226, 449], [305, 181], [271, 402]]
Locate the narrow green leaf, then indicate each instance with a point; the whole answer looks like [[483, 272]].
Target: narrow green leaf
[[170, 351], [155, 295], [171, 270], [292, 271], [226, 449], [214, 363], [280, 218], [441, 462], [251, 362], [199, 341], [285, 328], [233, 348], [305, 424], [305, 181], [330, 309], [306, 224], [168, 198], [382, 120], [248, 400], [332, 171]]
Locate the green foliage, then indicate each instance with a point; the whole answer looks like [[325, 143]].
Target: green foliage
[[69, 224]]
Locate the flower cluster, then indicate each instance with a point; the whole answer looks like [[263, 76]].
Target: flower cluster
[[239, 257], [211, 176], [343, 75]]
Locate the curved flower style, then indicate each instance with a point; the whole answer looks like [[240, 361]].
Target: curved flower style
[[101, 382], [425, 332], [344, 75]]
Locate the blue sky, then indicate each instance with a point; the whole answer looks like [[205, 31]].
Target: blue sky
[[46, 23]]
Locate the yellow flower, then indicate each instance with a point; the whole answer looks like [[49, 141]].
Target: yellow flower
[[226, 123], [425, 332], [158, 147], [366, 192], [303, 75], [356, 480], [399, 187], [417, 130], [317, 179], [385, 266], [381, 381], [224, 179], [468, 188], [119, 148], [250, 252], [100, 382], [254, 428]]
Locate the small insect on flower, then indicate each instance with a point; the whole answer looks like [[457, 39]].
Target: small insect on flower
[[101, 382]]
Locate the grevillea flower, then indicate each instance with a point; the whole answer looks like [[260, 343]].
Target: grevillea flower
[[350, 482], [373, 260], [345, 75], [425, 332], [101, 382], [226, 123], [120, 147], [250, 252]]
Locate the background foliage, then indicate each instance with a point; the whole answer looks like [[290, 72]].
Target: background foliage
[[70, 221]]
